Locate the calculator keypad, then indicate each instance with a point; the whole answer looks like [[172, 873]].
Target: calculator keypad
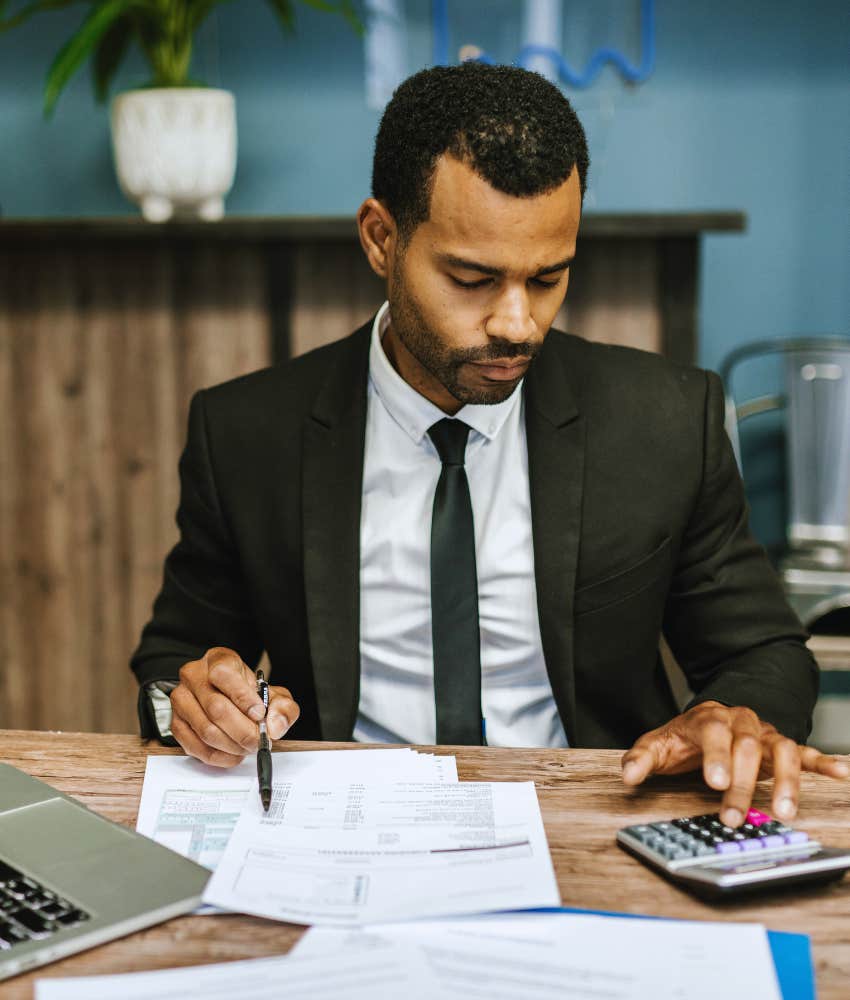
[[706, 836]]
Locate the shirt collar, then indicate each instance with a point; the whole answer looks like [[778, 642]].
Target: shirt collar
[[411, 410]]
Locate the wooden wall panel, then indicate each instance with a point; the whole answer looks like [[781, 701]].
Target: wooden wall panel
[[613, 295], [100, 351], [334, 291]]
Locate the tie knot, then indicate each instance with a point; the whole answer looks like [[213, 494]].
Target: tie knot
[[449, 437]]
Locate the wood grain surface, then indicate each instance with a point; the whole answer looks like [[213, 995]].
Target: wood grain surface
[[583, 803], [100, 351]]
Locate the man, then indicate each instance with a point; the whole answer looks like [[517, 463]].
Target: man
[[456, 524]]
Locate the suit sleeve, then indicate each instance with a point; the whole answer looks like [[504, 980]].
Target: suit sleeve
[[203, 601], [727, 620]]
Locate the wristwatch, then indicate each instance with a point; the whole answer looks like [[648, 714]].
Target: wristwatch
[[159, 715]]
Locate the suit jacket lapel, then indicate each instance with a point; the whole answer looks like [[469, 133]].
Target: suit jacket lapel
[[334, 439], [556, 438]]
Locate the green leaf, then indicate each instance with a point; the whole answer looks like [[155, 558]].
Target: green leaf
[[344, 7], [109, 52], [285, 14], [77, 49], [27, 12]]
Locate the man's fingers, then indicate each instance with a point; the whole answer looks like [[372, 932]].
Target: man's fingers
[[746, 761], [819, 763], [283, 712], [716, 737], [785, 764], [186, 708], [228, 674], [642, 759], [195, 747]]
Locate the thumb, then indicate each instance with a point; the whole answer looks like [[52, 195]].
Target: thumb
[[228, 673], [640, 762]]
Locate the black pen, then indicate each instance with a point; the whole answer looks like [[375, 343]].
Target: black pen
[[264, 754]]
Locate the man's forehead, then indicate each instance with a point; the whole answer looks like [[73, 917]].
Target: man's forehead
[[470, 219]]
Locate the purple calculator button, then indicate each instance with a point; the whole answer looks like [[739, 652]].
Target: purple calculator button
[[773, 840], [751, 845], [796, 837], [729, 847]]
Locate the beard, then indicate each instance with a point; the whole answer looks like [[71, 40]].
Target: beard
[[446, 364]]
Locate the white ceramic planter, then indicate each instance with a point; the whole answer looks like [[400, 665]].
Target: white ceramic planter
[[175, 150]]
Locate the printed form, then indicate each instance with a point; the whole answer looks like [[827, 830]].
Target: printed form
[[393, 973], [365, 852], [567, 956], [192, 808]]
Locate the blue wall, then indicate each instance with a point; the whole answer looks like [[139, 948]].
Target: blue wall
[[748, 108]]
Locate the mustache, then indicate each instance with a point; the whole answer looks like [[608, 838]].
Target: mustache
[[499, 350]]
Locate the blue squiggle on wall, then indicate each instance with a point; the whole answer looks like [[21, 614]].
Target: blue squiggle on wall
[[632, 73]]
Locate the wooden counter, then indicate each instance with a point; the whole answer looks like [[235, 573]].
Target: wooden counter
[[583, 803]]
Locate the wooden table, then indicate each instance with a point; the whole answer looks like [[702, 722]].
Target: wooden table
[[583, 803]]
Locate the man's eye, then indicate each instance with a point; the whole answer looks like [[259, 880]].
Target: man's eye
[[545, 284], [470, 284]]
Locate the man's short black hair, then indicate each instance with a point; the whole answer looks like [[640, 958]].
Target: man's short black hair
[[513, 128]]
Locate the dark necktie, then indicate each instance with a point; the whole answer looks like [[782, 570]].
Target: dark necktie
[[454, 594]]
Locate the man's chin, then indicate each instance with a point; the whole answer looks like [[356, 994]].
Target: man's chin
[[488, 395]]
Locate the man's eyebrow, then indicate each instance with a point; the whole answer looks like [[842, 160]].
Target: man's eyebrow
[[471, 265]]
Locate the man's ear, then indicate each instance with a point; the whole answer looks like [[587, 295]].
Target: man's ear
[[378, 235]]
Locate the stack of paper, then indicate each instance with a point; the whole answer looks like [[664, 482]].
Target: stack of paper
[[192, 808], [552, 956], [394, 973], [364, 852]]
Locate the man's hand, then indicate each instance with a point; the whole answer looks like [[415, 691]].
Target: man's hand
[[736, 749], [216, 708]]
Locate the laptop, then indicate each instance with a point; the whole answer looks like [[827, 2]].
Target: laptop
[[70, 879]]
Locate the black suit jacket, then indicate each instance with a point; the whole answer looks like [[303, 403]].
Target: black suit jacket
[[639, 523]]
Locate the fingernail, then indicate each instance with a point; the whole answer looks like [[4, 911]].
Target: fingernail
[[785, 808], [631, 771], [256, 712], [277, 726], [718, 775], [842, 767], [732, 817]]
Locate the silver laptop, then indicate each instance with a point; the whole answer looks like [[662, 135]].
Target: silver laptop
[[70, 879]]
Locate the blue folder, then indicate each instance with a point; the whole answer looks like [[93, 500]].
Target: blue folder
[[792, 954]]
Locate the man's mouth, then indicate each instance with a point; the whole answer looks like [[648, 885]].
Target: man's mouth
[[504, 370]]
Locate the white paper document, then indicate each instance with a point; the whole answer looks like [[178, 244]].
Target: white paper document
[[362, 853], [564, 956], [192, 808], [387, 974]]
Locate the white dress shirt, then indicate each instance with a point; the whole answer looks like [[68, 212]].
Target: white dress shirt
[[400, 473]]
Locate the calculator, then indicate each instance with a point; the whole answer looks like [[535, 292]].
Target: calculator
[[710, 859]]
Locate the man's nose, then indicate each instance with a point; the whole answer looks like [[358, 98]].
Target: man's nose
[[511, 317]]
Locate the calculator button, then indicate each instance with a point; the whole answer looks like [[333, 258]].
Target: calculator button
[[757, 818], [728, 847], [796, 837], [773, 840], [750, 845]]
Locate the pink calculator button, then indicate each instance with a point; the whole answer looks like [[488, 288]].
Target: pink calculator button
[[757, 818]]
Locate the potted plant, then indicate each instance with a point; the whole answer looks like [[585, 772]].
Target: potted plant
[[174, 139]]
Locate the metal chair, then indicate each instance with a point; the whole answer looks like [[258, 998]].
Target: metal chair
[[816, 401]]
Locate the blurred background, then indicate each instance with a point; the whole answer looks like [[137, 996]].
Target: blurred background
[[717, 215]]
